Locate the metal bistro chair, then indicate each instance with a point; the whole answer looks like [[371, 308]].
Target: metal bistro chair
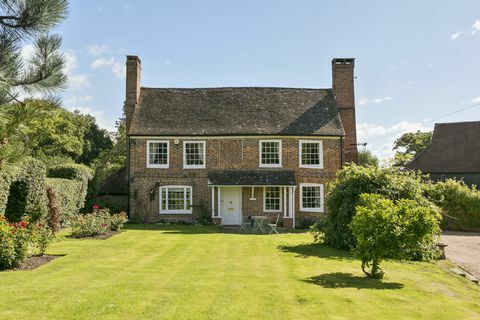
[[273, 226], [246, 225]]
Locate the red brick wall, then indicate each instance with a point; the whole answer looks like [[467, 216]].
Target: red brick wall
[[221, 153], [343, 88]]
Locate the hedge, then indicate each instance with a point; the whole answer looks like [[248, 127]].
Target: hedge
[[67, 195], [460, 204], [26, 191], [77, 172], [5, 181]]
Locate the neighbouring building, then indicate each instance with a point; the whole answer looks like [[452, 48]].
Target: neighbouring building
[[236, 152], [453, 153]]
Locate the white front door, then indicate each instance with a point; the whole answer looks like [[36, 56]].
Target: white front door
[[231, 205]]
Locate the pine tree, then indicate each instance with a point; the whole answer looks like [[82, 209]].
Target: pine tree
[[23, 21], [30, 20]]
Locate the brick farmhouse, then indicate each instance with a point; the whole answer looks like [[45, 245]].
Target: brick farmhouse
[[236, 152]]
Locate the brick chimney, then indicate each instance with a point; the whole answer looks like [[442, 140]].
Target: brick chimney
[[134, 70], [343, 89]]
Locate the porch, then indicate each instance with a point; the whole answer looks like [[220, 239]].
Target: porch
[[238, 194]]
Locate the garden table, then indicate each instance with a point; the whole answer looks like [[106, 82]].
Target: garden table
[[259, 223]]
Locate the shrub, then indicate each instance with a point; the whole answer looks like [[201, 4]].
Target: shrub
[[74, 172], [14, 243], [98, 222], [68, 197], [53, 212], [343, 195], [205, 216], [42, 236], [117, 221], [460, 204], [27, 191], [5, 181], [385, 229]]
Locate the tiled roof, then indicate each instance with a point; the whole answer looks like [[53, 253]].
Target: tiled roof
[[236, 111], [455, 148]]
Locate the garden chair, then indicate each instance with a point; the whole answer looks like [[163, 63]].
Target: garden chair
[[273, 226], [246, 225]]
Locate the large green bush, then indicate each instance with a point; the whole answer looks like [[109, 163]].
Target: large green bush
[[460, 204], [68, 197], [400, 230], [80, 176], [344, 193], [5, 181], [26, 193]]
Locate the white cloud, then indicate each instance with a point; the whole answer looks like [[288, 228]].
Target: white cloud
[[117, 68], [474, 30], [75, 81], [380, 138], [74, 100], [476, 27], [100, 117], [366, 101], [456, 35], [476, 100], [98, 49]]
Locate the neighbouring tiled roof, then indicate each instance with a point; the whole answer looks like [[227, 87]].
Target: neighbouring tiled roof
[[251, 177], [236, 111], [115, 184], [455, 148]]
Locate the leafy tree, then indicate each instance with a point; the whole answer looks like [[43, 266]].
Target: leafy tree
[[113, 159], [344, 193], [409, 145], [95, 140], [367, 158], [42, 74], [385, 229]]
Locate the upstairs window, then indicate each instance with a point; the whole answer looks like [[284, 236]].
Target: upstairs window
[[194, 154], [272, 199], [175, 199], [311, 197], [311, 154], [270, 153], [157, 154]]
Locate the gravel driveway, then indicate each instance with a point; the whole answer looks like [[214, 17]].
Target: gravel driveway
[[464, 250]]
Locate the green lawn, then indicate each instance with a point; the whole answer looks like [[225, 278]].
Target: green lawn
[[198, 273]]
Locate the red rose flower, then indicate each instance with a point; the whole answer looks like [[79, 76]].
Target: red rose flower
[[95, 206]]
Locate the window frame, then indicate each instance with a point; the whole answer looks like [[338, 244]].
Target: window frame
[[195, 166], [265, 199], [158, 166], [280, 151], [322, 197], [320, 154], [168, 211]]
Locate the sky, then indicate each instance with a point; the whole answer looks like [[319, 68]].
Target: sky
[[416, 61]]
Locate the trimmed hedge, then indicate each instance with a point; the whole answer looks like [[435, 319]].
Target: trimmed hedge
[[70, 171], [67, 195], [76, 172], [26, 192], [5, 181]]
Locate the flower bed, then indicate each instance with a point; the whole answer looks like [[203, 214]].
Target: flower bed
[[99, 222], [21, 240]]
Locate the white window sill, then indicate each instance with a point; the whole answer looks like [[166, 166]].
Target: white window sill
[[270, 165], [176, 212], [273, 211], [311, 209], [194, 167], [157, 166], [311, 166]]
